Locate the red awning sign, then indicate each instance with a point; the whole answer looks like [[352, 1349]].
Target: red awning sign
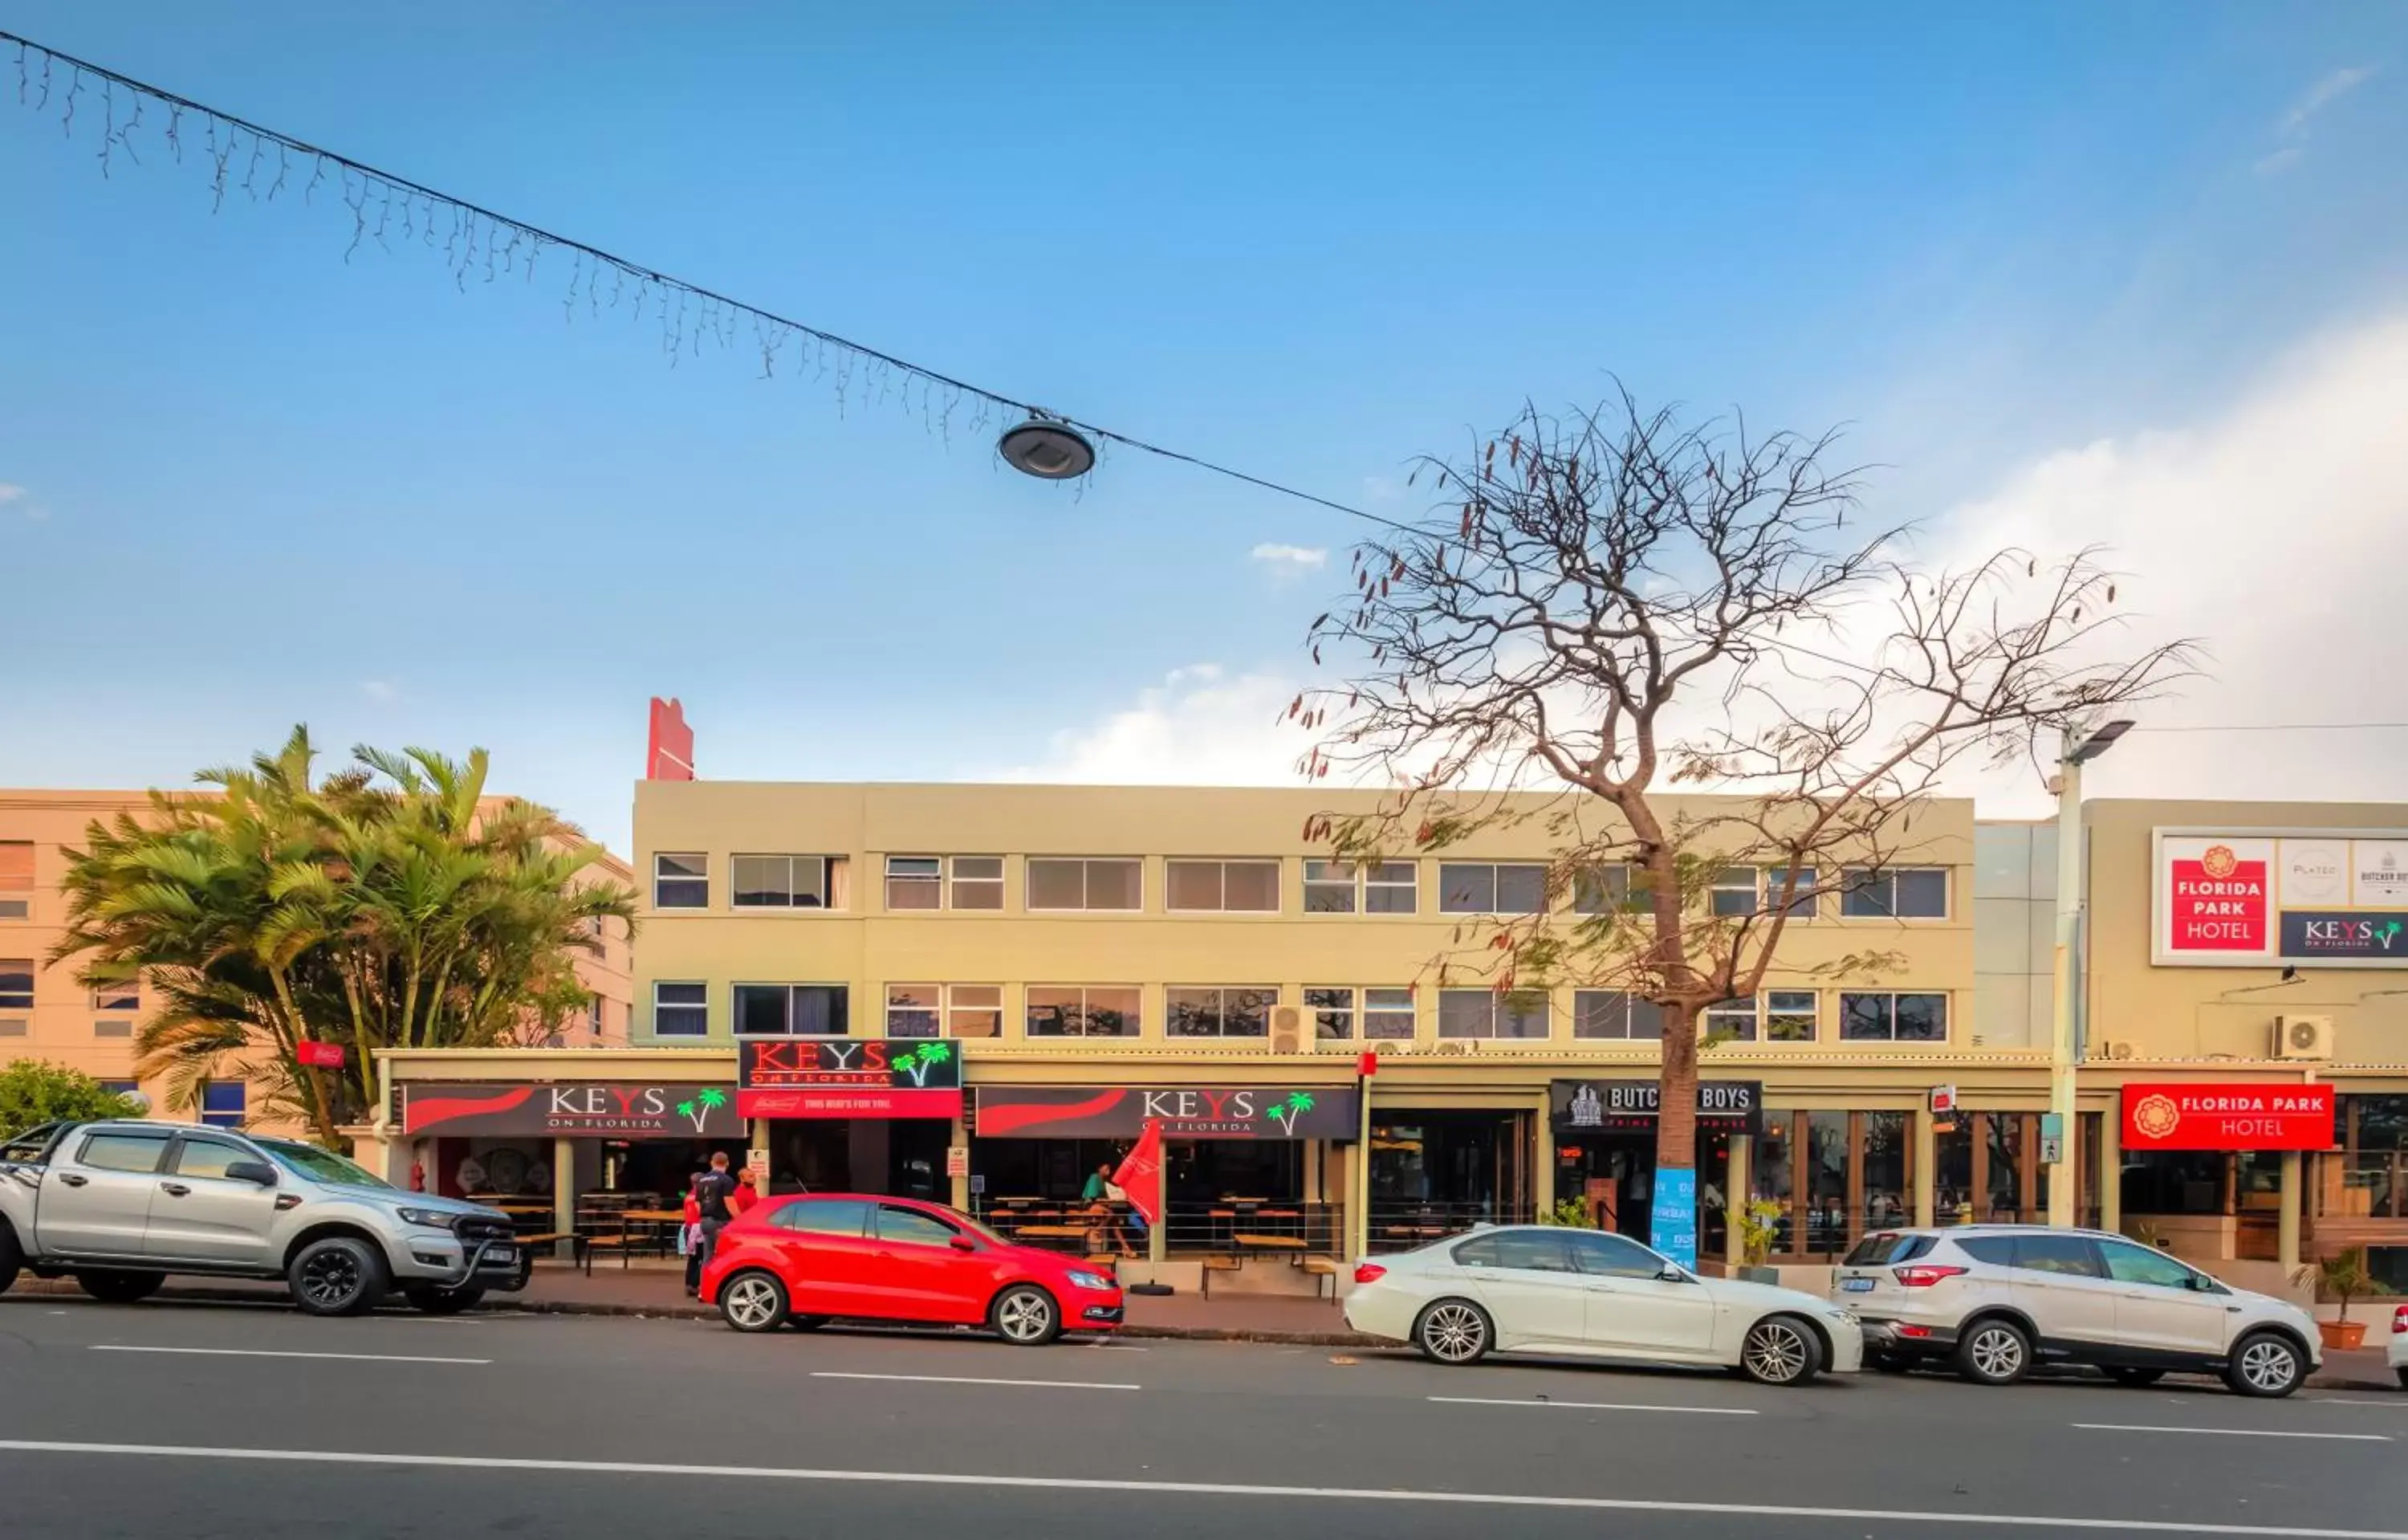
[[2285, 1116]]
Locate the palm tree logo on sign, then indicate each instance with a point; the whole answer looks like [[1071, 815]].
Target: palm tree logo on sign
[[698, 1107], [1287, 1112], [920, 1061]]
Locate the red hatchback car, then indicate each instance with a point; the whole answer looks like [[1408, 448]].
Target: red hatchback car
[[804, 1261]]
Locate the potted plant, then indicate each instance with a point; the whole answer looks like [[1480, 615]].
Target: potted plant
[[1759, 1226], [2342, 1275], [1570, 1212]]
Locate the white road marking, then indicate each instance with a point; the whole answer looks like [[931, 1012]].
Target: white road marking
[[1193, 1489], [1589, 1406], [954, 1379], [2229, 1432], [2399, 1405], [260, 1353]]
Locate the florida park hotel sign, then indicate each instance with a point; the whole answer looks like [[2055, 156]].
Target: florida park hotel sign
[[2279, 898]]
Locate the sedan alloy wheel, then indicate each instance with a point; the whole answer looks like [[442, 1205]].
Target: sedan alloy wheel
[[1453, 1331]]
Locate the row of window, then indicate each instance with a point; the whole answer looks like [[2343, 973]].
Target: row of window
[[16, 879], [1338, 1013], [1116, 885]]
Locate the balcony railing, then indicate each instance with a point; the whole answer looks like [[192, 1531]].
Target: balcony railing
[[1236, 1227], [1400, 1224]]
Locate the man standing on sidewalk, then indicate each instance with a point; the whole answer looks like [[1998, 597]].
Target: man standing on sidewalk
[[712, 1195]]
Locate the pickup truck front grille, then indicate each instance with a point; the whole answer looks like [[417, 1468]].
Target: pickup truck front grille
[[474, 1231]]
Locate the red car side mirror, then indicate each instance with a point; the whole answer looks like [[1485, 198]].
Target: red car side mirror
[[963, 1242]]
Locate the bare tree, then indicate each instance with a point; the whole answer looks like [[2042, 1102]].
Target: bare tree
[[1611, 607]]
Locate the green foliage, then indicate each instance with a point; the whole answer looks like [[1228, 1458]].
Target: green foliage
[[33, 1093], [1571, 1213], [2342, 1275], [390, 905], [1759, 1226]]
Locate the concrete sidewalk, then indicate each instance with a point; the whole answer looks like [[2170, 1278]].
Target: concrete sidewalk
[[657, 1292]]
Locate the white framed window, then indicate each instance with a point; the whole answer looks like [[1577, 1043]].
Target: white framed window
[[1084, 1010], [1895, 893], [1488, 1013], [1114, 884], [16, 879], [1361, 887], [117, 998], [1222, 887], [944, 1010], [923, 883], [1893, 1019], [224, 1102], [1219, 1011], [1731, 1020], [787, 882], [1489, 887], [597, 1018], [681, 1009], [1614, 888], [16, 983], [1616, 1015], [1739, 890], [915, 881], [976, 881], [1792, 1015], [1342, 1011], [680, 882], [793, 1010]]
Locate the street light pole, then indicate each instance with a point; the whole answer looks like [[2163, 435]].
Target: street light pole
[[2064, 1172]]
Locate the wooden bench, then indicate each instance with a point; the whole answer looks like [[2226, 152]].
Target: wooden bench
[[1219, 1263], [1318, 1268], [550, 1239]]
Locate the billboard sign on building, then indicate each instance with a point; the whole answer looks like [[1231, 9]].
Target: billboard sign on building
[[849, 1077], [2279, 898], [2174, 1116], [1183, 1111], [617, 1109]]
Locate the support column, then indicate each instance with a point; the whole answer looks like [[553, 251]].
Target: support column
[[1358, 1177], [1926, 1168], [1543, 1176], [1739, 1185], [958, 1139], [2287, 1229], [2110, 1168], [564, 1194]]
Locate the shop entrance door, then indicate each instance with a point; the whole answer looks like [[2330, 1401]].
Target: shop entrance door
[[1616, 1171]]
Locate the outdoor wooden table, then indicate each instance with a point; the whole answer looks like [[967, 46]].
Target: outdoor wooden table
[[1270, 1243]]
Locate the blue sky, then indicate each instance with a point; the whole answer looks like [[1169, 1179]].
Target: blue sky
[[250, 484]]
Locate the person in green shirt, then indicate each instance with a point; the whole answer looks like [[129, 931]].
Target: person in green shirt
[[1098, 1185]]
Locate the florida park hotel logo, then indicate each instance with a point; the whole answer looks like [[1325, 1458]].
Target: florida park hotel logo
[[2219, 902]]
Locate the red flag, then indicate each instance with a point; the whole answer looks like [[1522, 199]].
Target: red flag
[[1140, 1174]]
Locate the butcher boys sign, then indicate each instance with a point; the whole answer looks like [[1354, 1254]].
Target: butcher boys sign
[[849, 1077]]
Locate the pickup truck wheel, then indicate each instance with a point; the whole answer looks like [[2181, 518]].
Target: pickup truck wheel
[[438, 1301], [337, 1277], [116, 1288], [12, 1258]]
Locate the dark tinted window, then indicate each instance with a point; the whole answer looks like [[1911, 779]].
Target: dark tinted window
[[208, 1156], [910, 1227], [1888, 1246], [2071, 1255], [122, 1151], [1532, 1251], [29, 1148], [1996, 1251], [1479, 1253], [1614, 1256], [2139, 1264], [824, 1217]]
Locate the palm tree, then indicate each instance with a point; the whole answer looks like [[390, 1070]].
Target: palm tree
[[926, 1056], [1296, 1104], [390, 905]]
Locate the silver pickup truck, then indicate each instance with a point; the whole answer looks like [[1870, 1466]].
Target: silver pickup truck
[[119, 1206]]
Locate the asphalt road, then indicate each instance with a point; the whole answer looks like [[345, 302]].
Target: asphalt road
[[211, 1420]]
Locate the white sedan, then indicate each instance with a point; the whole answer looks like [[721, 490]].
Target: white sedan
[[1589, 1293]]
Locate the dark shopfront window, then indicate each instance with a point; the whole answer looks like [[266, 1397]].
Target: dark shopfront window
[[1616, 1175], [1195, 1171], [2373, 1179], [1448, 1170]]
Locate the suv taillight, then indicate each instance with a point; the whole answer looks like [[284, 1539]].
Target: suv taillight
[[1924, 1277], [2399, 1321], [1369, 1272]]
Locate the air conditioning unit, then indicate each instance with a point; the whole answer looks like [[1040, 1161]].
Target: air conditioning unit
[[2119, 1047], [2304, 1037], [1288, 1029]]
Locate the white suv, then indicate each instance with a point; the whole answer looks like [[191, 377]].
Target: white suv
[[2398, 1352], [1998, 1300]]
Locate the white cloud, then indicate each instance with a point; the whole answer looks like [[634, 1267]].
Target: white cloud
[[377, 690], [1290, 561], [9, 494], [2292, 129], [2322, 94], [1201, 726], [2273, 530]]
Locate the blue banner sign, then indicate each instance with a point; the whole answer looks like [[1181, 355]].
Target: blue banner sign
[[1672, 1216]]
